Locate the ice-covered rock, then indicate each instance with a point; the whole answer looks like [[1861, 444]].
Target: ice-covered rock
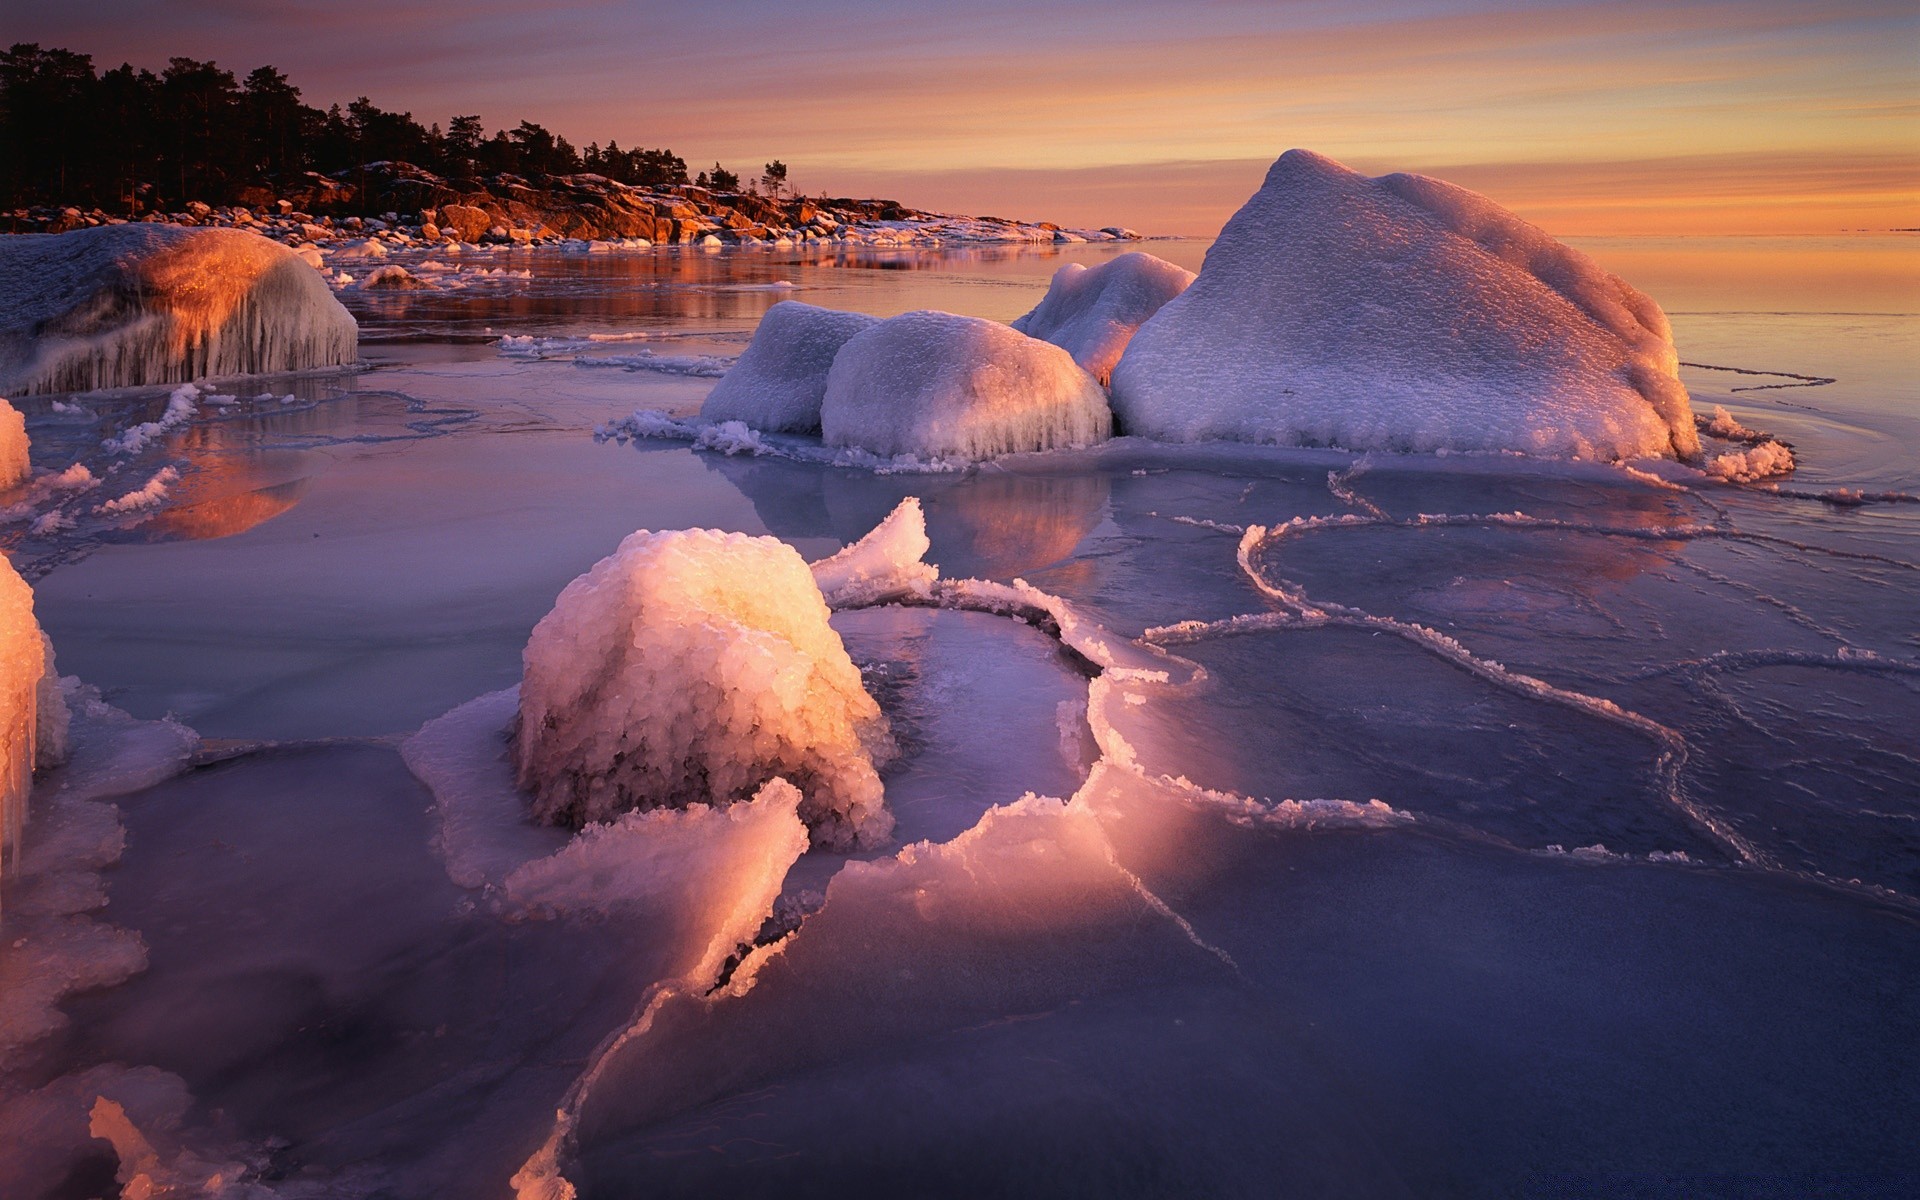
[[14, 466], [22, 665], [936, 385], [1403, 313], [1093, 312], [781, 377], [137, 304], [692, 667]]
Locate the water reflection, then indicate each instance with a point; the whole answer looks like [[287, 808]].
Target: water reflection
[[729, 290], [991, 524]]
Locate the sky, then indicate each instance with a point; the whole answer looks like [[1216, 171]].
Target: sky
[[1615, 118]]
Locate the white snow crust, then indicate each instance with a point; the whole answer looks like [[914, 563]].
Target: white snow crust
[[884, 565], [14, 466], [938, 385], [781, 378], [1403, 313], [139, 304], [1093, 312], [693, 667]]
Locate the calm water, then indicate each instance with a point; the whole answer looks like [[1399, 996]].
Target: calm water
[[1641, 921]]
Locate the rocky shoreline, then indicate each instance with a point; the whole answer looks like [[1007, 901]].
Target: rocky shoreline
[[403, 204]]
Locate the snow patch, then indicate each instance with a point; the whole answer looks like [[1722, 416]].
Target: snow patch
[[146, 496]]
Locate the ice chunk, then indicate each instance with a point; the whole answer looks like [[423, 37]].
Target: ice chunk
[[781, 378], [393, 277], [657, 860], [938, 385], [180, 409], [1093, 312], [1750, 463], [136, 304], [14, 466], [884, 565], [1403, 313], [692, 667]]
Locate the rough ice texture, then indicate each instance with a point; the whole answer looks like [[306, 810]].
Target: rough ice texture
[[22, 664], [884, 565], [131, 305], [692, 667], [936, 385], [1403, 313], [1093, 312], [779, 381], [14, 466]]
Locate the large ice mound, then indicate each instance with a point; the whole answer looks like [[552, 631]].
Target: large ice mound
[[130, 305], [1093, 312], [781, 378], [14, 466], [692, 667], [936, 385], [1403, 313]]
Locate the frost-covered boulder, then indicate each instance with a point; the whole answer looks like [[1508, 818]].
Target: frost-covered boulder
[[131, 305], [936, 385], [781, 377], [1403, 313], [1093, 312], [14, 466], [692, 667]]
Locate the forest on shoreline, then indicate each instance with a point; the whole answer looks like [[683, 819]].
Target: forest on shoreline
[[131, 141]]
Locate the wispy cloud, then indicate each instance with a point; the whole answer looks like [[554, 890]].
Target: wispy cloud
[[1015, 106]]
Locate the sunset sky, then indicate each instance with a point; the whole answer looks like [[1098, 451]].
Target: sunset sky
[[1607, 118]]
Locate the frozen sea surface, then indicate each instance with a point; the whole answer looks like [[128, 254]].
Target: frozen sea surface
[[1397, 825]]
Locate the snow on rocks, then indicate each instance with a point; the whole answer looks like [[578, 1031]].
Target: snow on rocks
[[130, 305], [1403, 313], [1093, 312], [780, 380], [936, 385], [14, 466], [693, 667]]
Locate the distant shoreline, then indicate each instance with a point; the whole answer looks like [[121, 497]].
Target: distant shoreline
[[394, 201]]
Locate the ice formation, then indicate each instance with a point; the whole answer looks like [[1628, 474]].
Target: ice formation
[[180, 409], [22, 664], [884, 565], [130, 305], [1093, 312], [692, 667], [937, 385], [781, 378], [14, 466], [1403, 313]]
